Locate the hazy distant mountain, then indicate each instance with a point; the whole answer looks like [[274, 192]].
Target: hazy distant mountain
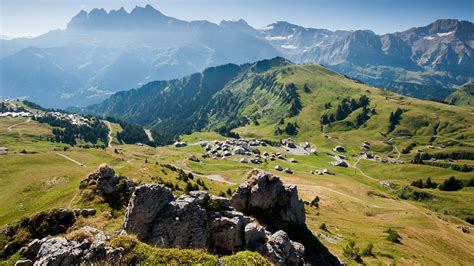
[[100, 53], [103, 52]]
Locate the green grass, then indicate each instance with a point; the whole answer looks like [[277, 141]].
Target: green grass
[[140, 253]]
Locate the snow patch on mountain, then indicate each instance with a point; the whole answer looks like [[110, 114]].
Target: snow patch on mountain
[[289, 46], [443, 34], [279, 38], [269, 27]]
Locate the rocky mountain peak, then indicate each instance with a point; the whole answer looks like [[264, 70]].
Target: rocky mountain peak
[[443, 25], [100, 18]]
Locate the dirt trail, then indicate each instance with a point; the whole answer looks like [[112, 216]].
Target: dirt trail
[[149, 134], [362, 172], [398, 152], [217, 178], [463, 142], [110, 133], [70, 159], [17, 124], [304, 187]]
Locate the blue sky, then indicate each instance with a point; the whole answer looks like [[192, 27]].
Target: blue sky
[[33, 17]]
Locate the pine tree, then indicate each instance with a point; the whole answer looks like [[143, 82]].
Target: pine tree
[[291, 129], [418, 159]]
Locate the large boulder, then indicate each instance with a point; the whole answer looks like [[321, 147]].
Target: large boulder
[[282, 250], [46, 223], [264, 196], [107, 182], [145, 204], [61, 251], [114, 189]]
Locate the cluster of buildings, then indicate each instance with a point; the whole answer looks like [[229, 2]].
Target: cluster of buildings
[[16, 114], [73, 118]]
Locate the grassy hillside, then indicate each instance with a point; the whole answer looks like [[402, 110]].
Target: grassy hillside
[[462, 96], [219, 98], [354, 204]]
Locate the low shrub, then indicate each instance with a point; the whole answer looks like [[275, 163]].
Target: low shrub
[[367, 251], [351, 251], [245, 258], [393, 236], [137, 252]]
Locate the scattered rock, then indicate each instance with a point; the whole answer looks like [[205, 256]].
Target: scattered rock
[[60, 251], [278, 168], [84, 212]]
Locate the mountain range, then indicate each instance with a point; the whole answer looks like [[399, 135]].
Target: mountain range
[[102, 52]]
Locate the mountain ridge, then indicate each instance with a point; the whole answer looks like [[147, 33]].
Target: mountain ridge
[[424, 62]]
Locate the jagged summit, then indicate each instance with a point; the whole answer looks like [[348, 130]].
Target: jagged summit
[[99, 18]]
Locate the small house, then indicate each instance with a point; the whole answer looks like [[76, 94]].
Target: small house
[[339, 149]]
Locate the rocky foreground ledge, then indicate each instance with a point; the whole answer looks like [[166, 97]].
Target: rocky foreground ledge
[[256, 218], [201, 221]]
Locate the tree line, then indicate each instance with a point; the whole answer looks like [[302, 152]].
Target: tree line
[[450, 184], [345, 108], [66, 132]]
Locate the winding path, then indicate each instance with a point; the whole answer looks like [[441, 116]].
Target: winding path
[[398, 152], [70, 159], [463, 142], [149, 134], [17, 124], [110, 133]]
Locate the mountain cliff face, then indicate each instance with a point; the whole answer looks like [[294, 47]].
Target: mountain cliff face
[[104, 52]]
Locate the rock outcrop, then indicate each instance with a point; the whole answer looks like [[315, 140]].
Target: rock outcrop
[[114, 189], [199, 220], [264, 196], [107, 182], [61, 251], [47, 223]]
